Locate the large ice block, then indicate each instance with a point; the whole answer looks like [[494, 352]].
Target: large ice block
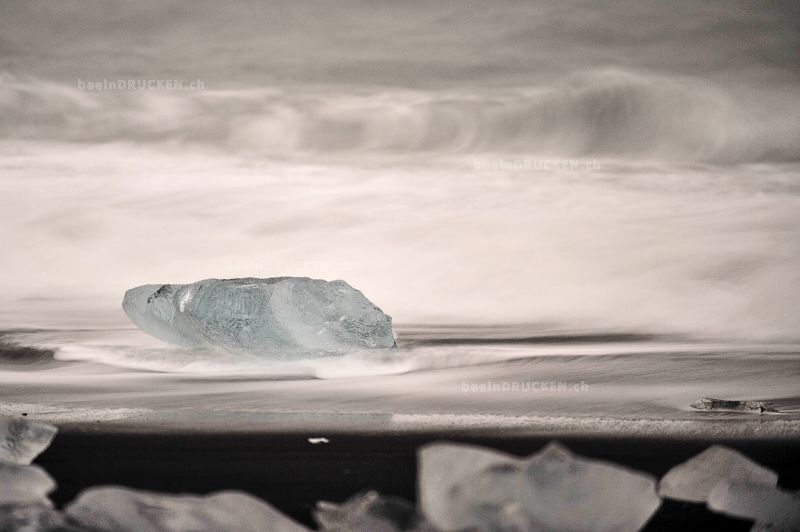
[[280, 317], [120, 509]]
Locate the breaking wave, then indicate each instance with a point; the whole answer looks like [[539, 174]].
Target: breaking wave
[[604, 113], [13, 353], [417, 351]]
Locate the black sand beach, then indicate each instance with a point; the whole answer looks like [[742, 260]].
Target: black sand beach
[[292, 474]]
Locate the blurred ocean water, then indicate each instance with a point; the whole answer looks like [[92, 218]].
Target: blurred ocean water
[[463, 378]]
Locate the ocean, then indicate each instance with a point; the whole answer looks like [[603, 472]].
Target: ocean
[[510, 380], [549, 192]]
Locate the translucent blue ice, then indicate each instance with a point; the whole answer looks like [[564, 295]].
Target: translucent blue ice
[[280, 317]]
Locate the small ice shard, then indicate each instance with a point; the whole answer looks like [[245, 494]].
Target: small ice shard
[[463, 487], [280, 317], [772, 508], [722, 405], [33, 518], [117, 509], [444, 474], [369, 511], [21, 440], [24, 484], [694, 479]]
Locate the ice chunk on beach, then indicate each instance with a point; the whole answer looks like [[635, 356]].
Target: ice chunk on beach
[[120, 509], [570, 492], [464, 487], [282, 317], [24, 484], [444, 474], [33, 518], [772, 508], [369, 511], [694, 479], [21, 440], [723, 405]]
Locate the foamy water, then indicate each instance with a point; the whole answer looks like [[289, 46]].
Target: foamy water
[[458, 378], [673, 249]]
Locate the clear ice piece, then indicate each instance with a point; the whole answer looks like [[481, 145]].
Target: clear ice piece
[[570, 492], [368, 511], [694, 479], [33, 518], [772, 508], [465, 487], [445, 471], [120, 509], [24, 484], [21, 440]]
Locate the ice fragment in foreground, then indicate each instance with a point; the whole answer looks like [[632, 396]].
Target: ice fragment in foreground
[[570, 492], [694, 479], [33, 518], [722, 405], [125, 510], [282, 317], [369, 511], [469, 487], [21, 440], [24, 484], [772, 508], [444, 474]]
